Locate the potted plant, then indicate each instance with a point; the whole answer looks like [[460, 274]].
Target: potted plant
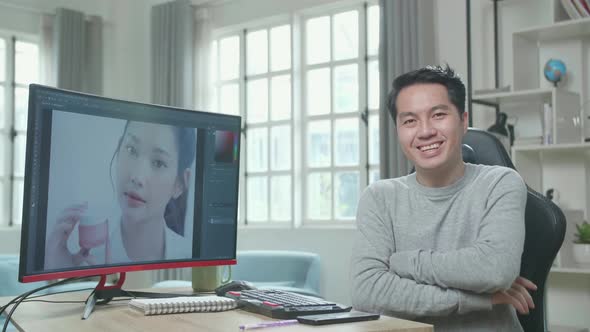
[[581, 248]]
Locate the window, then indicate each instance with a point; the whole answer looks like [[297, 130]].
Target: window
[[311, 135], [373, 91], [19, 66]]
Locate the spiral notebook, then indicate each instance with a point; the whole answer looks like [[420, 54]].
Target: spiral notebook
[[183, 304]]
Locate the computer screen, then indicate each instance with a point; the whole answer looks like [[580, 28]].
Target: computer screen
[[114, 186]]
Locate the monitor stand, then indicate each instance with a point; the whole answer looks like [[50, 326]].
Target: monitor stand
[[103, 294]]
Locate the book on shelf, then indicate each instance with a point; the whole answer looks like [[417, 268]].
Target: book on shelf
[[571, 9], [580, 7], [182, 304]]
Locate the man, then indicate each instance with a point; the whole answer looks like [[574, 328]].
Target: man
[[442, 245]]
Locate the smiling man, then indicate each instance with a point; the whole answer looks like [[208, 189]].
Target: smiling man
[[441, 245]]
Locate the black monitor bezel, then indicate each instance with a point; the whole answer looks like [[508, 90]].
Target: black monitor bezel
[[35, 121]]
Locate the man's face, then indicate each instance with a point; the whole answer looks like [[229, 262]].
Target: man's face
[[429, 127]]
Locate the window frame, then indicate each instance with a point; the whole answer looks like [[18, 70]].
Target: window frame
[[299, 171], [8, 131], [362, 61], [242, 80]]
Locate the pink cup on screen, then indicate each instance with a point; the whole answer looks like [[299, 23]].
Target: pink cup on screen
[[92, 232]]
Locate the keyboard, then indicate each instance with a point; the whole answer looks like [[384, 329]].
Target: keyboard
[[283, 305]]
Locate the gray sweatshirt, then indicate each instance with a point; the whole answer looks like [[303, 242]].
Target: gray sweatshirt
[[436, 255]]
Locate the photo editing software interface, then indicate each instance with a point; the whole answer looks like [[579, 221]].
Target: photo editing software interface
[[122, 185]]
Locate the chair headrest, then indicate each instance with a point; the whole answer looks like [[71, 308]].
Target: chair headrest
[[488, 150], [469, 155]]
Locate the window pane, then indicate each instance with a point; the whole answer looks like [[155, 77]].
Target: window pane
[[2, 60], [280, 48], [373, 84], [229, 58], [373, 30], [17, 202], [257, 52], [26, 62], [318, 40], [318, 143], [346, 140], [373, 175], [346, 194], [257, 154], [319, 196], [280, 196], [280, 97], [346, 88], [4, 214], [21, 102], [257, 110], [229, 99], [346, 35], [20, 145], [214, 53], [4, 158], [213, 71], [2, 108], [374, 139], [318, 91], [280, 147], [257, 198]]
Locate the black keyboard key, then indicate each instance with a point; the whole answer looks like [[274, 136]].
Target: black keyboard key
[[284, 305]]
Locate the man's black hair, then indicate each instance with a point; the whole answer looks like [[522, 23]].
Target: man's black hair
[[430, 74]]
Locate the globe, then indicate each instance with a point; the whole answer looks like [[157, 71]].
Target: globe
[[554, 70]]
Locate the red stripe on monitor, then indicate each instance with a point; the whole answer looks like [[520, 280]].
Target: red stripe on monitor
[[118, 269]]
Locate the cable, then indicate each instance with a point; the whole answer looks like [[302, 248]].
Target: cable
[[21, 298], [50, 301], [42, 295], [17, 300], [62, 292], [37, 296], [31, 299]]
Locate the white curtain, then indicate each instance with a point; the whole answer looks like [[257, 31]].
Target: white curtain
[[46, 46], [203, 87], [71, 51], [173, 53], [176, 71], [406, 43]]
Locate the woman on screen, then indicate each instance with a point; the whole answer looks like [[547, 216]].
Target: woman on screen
[[151, 167]]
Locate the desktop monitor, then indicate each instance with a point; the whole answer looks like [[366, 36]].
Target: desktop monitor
[[113, 186]]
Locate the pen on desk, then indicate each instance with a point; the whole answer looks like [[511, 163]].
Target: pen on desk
[[262, 325]]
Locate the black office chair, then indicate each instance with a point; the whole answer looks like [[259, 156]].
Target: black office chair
[[544, 224]]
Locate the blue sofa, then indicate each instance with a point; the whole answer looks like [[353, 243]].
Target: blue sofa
[[294, 271]]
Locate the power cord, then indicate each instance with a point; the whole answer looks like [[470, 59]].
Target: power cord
[[19, 299]]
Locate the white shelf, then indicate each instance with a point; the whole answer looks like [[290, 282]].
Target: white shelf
[[569, 147], [574, 270], [522, 96], [579, 28]]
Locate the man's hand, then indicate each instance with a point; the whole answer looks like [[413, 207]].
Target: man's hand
[[517, 295]]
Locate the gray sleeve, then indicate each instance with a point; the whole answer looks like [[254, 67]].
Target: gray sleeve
[[376, 289], [492, 262]]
